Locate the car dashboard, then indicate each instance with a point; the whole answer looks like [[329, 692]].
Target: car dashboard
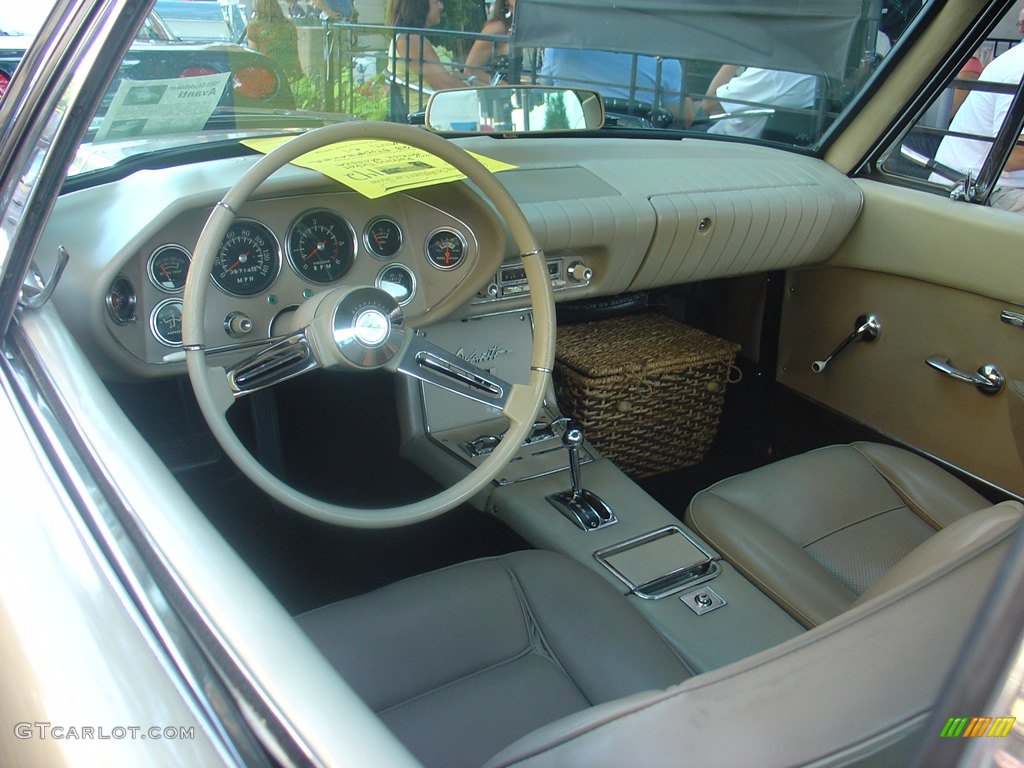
[[613, 215]]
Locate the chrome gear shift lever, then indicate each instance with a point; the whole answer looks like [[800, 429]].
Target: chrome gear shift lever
[[585, 509], [572, 439]]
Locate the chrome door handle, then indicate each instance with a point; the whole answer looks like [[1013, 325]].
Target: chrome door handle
[[988, 379], [866, 327]]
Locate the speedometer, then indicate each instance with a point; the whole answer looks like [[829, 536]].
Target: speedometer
[[249, 259]]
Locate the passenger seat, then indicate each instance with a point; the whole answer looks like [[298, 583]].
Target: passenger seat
[[829, 529]]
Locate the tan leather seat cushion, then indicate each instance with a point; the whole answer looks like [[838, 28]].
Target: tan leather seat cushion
[[815, 531]]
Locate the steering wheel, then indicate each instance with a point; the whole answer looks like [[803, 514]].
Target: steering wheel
[[361, 329]]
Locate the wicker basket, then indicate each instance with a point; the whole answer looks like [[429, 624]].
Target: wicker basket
[[646, 389]]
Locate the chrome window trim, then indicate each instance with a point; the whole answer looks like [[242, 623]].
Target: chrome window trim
[[290, 702], [907, 117], [50, 121], [132, 562]]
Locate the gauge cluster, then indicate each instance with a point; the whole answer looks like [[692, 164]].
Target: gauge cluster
[[280, 252]]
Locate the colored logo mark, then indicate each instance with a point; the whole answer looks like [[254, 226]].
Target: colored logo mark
[[973, 727]]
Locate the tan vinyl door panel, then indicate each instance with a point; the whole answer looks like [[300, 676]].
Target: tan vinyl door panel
[[896, 266]]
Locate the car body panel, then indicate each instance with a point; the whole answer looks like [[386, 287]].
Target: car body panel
[[264, 650], [887, 385], [77, 653]]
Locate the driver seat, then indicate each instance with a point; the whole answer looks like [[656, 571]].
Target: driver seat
[[459, 663]]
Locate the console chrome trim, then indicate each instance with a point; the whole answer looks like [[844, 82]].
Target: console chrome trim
[[702, 601], [676, 580]]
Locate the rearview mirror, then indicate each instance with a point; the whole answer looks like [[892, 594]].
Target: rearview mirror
[[514, 109]]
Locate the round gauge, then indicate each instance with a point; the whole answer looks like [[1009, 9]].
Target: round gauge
[[168, 267], [446, 249], [121, 300], [321, 246], [165, 322], [249, 259], [398, 281], [383, 238]]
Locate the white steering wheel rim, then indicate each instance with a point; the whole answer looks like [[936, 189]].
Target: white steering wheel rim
[[210, 384]]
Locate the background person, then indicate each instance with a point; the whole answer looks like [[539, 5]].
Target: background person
[[487, 58], [765, 88], [270, 33], [335, 10], [982, 114], [973, 68], [412, 59], [611, 75], [298, 11], [970, 71]]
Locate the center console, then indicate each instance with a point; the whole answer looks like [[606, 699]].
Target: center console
[[702, 606]]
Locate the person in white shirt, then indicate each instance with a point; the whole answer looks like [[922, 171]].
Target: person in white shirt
[[982, 114], [763, 88]]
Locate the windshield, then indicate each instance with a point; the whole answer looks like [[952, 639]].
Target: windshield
[[201, 72]]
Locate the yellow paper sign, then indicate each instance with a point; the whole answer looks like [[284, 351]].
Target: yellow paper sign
[[374, 167]]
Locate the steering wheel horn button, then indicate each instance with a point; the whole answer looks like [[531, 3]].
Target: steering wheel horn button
[[367, 326], [372, 327]]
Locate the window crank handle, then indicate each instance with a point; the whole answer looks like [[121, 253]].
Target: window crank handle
[[865, 328]]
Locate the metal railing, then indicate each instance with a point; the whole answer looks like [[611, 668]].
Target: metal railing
[[365, 77], [351, 65], [359, 77]]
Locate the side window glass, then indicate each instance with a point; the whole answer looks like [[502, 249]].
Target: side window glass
[[956, 144]]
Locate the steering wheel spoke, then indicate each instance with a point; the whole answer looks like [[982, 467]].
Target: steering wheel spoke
[[285, 359], [428, 362]]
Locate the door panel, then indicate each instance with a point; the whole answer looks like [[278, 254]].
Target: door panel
[[937, 274]]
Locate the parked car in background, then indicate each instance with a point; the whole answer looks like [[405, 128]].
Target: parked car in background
[[188, 20], [204, 20], [520, 438], [255, 80]]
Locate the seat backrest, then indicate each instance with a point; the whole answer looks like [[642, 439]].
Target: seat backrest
[[951, 544]]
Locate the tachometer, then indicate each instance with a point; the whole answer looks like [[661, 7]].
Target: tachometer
[[249, 259], [446, 249], [321, 246]]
